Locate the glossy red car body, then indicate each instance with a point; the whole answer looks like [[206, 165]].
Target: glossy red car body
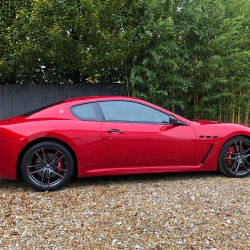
[[140, 148]]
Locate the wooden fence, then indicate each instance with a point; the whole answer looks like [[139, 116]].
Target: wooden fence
[[19, 99]]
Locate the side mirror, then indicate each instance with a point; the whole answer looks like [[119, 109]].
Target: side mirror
[[172, 120]]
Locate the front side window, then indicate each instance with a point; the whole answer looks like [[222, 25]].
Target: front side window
[[132, 112]]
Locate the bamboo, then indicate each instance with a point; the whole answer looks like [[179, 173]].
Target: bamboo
[[238, 116], [247, 111], [220, 115], [246, 117], [233, 113], [219, 118]]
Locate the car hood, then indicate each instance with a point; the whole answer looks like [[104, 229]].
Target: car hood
[[204, 122]]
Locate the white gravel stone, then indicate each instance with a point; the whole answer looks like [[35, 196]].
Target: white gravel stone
[[165, 211]]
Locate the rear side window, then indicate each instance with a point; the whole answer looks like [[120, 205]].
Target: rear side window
[[40, 109], [88, 111]]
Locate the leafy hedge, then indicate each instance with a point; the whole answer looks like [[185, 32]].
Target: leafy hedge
[[191, 54]]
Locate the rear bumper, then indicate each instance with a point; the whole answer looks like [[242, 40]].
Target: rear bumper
[[9, 152]]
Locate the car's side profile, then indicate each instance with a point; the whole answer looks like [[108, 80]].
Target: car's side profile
[[97, 136]]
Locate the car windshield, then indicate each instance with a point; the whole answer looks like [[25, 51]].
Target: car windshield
[[39, 109]]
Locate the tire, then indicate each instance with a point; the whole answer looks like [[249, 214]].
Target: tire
[[234, 157], [47, 166]]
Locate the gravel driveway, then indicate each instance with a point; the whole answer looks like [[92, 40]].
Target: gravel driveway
[[165, 211]]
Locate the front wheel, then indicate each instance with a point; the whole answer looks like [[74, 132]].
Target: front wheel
[[47, 166], [234, 157]]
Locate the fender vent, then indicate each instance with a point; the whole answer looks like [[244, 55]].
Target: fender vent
[[207, 154], [208, 136]]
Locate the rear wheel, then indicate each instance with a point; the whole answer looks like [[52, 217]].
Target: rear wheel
[[234, 158], [47, 166]]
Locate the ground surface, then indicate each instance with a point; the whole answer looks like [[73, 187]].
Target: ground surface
[[165, 211]]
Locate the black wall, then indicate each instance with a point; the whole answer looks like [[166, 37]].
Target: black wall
[[18, 99]]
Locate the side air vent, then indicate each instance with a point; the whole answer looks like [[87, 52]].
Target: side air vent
[[207, 154], [208, 136]]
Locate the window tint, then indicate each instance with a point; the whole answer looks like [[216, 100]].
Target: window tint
[[132, 112], [85, 112]]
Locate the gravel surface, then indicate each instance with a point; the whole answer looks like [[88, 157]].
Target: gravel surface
[[165, 211]]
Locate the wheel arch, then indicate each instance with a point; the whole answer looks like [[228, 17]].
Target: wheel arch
[[234, 136], [30, 144]]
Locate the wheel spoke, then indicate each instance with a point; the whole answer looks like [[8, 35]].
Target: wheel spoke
[[41, 183], [230, 158], [233, 166], [53, 157], [240, 147], [236, 147], [37, 154], [246, 161], [35, 166], [231, 153], [59, 159], [247, 151], [238, 166], [36, 171], [49, 177], [54, 172], [45, 156], [61, 169], [247, 169]]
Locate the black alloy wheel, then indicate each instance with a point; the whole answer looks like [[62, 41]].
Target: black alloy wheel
[[47, 166], [234, 158]]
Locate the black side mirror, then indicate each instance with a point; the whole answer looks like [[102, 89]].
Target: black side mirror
[[172, 120]]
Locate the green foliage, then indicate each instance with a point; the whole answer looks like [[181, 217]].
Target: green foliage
[[194, 55], [52, 41], [205, 57], [155, 75]]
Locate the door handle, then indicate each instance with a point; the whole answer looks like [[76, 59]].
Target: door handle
[[115, 131]]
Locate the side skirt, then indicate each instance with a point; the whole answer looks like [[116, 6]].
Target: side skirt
[[144, 170]]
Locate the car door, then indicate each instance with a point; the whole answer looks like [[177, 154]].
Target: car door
[[85, 132], [139, 135]]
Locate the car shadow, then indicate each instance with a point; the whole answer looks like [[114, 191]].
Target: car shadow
[[141, 178], [15, 186]]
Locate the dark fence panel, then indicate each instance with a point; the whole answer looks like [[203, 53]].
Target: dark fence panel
[[19, 99]]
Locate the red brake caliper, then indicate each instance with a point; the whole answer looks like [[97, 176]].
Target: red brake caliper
[[59, 165], [229, 155]]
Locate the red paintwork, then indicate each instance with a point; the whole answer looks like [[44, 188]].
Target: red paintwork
[[150, 145], [141, 148]]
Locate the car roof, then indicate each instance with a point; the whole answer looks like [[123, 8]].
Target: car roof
[[77, 101], [101, 98], [52, 109]]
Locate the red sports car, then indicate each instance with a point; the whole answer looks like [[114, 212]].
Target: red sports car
[[97, 136]]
